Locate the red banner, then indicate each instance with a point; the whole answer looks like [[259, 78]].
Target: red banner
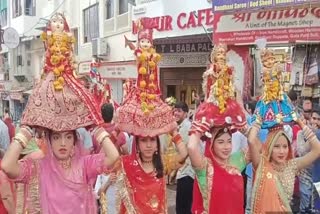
[[287, 25]]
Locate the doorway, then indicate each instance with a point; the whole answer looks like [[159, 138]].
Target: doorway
[[182, 83]]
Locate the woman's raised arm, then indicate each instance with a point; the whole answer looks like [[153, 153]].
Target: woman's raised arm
[[9, 163], [314, 153]]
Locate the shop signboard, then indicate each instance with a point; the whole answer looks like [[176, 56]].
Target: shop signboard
[[175, 19], [84, 67], [277, 26], [192, 47], [118, 71], [16, 95], [232, 6]]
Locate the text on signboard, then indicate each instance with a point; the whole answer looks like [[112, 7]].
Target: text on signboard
[[183, 20], [278, 14]]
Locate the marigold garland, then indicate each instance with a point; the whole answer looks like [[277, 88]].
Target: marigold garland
[[59, 59], [147, 70], [223, 88]]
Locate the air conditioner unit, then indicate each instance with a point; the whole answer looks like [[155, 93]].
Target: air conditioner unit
[[103, 48], [94, 45], [28, 45], [100, 48]]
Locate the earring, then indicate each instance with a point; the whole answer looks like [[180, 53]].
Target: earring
[[72, 153], [156, 152]]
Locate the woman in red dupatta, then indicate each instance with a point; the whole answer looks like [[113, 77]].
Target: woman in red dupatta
[[141, 180], [218, 187]]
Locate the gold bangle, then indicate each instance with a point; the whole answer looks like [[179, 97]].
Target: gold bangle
[[27, 132], [20, 142], [102, 140], [21, 137], [102, 137]]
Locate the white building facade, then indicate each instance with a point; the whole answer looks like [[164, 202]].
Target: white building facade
[[104, 25]]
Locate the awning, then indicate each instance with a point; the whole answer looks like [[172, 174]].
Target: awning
[[16, 96], [16, 93], [28, 92]]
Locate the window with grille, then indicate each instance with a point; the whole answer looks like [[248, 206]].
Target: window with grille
[[123, 6], [16, 8], [109, 9], [19, 60], [4, 17], [30, 7], [91, 23]]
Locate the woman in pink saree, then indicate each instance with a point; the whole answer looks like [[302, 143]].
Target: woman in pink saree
[[65, 174], [62, 181]]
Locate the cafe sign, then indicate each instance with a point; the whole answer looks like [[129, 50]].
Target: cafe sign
[[172, 18]]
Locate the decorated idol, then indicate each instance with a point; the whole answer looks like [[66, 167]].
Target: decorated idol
[[274, 106], [218, 78]]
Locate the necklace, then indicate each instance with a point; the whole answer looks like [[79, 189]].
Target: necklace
[[65, 164], [278, 167], [146, 162]]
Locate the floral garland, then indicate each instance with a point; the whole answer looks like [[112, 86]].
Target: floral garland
[[147, 84], [223, 88], [273, 89], [59, 58]]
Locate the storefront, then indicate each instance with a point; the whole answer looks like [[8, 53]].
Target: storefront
[[4, 98], [19, 103], [184, 60], [293, 33]]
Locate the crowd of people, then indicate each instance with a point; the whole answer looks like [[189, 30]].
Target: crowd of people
[[74, 154], [305, 196]]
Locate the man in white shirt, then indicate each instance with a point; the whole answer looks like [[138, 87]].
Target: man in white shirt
[[239, 142], [186, 174]]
